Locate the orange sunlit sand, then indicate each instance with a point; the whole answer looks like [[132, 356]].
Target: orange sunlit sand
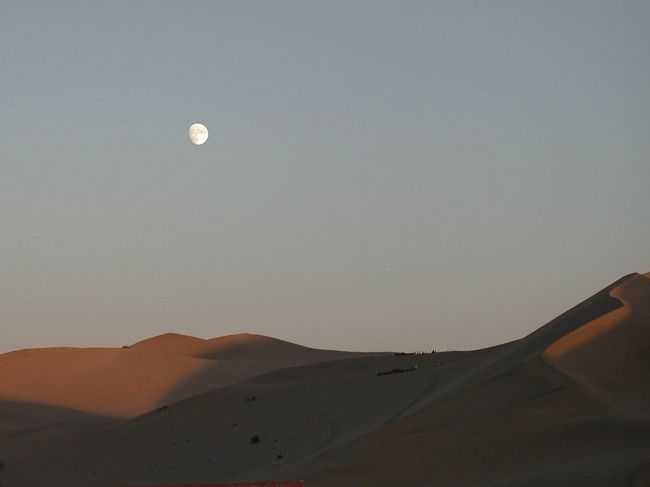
[[566, 405]]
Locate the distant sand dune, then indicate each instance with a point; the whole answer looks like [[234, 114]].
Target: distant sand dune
[[242, 346], [125, 382]]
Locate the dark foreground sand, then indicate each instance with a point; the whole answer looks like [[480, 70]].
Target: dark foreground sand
[[568, 405]]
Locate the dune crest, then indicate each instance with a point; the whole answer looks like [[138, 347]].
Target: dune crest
[[125, 382], [241, 345], [609, 355]]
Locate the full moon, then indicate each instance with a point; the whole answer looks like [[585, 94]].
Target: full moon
[[198, 133]]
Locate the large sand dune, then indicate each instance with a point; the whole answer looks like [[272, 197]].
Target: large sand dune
[[119, 383], [610, 356], [566, 405]]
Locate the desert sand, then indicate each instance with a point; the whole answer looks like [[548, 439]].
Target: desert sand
[[567, 405], [56, 388]]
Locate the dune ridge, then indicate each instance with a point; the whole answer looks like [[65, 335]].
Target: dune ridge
[[622, 337], [121, 383], [230, 347]]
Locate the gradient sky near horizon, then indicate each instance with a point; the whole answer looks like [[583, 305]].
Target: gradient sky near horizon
[[379, 175]]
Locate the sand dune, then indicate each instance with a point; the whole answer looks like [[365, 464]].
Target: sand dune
[[523, 423], [125, 382], [610, 355], [566, 405]]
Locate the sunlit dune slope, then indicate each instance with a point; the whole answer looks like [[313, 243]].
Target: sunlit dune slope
[[110, 382], [125, 382], [610, 355]]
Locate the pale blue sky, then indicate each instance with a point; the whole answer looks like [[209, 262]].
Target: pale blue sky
[[379, 175]]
